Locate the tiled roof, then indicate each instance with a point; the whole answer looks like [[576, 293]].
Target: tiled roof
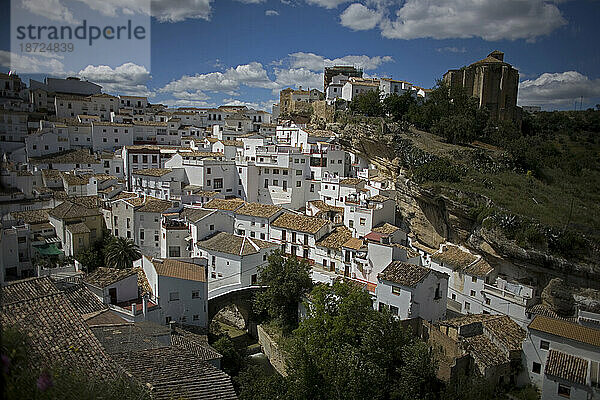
[[82, 299], [225, 204], [31, 216], [201, 154], [566, 366], [505, 331], [336, 239], [152, 171], [194, 343], [129, 337], [78, 228], [172, 372], [567, 330], [378, 198], [104, 317], [124, 195], [404, 274], [480, 268], [68, 209], [194, 214], [55, 331], [180, 269], [351, 181], [74, 180], [67, 157], [354, 243], [154, 205], [542, 309], [454, 256], [258, 210], [51, 173], [386, 229], [235, 143], [485, 352], [301, 223], [104, 277], [322, 206], [234, 244]]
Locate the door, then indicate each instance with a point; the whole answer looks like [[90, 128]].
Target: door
[[112, 293]]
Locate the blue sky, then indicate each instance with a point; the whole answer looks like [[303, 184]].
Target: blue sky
[[206, 53]]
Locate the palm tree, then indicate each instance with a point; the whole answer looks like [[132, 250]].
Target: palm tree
[[121, 253]]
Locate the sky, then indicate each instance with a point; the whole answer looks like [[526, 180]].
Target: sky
[[204, 53]]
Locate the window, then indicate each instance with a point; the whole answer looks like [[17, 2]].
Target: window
[[595, 374], [362, 222], [266, 183], [262, 236], [474, 279], [141, 235], [381, 306], [135, 159], [298, 172], [564, 390], [195, 317], [544, 345], [351, 224], [467, 306], [453, 296], [173, 296], [487, 301], [394, 310], [174, 251], [212, 228], [218, 183], [208, 170], [312, 188], [396, 290], [299, 184], [472, 293], [275, 171], [195, 294], [208, 183], [536, 368]]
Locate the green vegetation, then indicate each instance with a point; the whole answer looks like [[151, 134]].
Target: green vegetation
[[24, 379], [93, 257], [232, 360], [540, 182], [287, 280], [121, 253]]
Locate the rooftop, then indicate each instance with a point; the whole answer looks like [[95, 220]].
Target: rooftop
[[194, 214], [404, 274], [82, 299], [69, 209], [455, 256], [225, 204], [31, 216], [234, 244], [354, 243], [152, 171], [66, 157], [259, 210], [386, 229], [336, 239], [566, 366], [301, 223], [78, 228], [566, 329], [104, 277], [179, 269]]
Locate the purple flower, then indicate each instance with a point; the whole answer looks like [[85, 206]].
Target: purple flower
[[44, 382], [5, 363]]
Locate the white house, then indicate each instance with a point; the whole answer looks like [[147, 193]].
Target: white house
[[233, 261], [562, 358], [254, 220], [412, 291], [179, 288], [298, 234], [361, 214]]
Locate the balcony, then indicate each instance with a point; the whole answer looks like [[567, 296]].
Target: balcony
[[505, 294]]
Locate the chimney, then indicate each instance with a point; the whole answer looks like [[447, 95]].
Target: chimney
[[145, 305], [172, 326], [133, 308]]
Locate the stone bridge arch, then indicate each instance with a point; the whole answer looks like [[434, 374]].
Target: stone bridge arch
[[242, 298]]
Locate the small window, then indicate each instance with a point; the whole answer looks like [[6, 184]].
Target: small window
[[396, 290], [195, 317], [195, 294], [473, 279], [472, 293], [536, 368], [564, 390], [467, 306], [544, 345], [487, 301], [173, 296], [394, 310]]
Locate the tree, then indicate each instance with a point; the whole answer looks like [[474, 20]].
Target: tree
[[232, 361], [345, 349], [121, 253], [287, 280], [254, 383], [368, 103], [396, 106]]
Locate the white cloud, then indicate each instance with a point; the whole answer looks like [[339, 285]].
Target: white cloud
[[186, 103], [558, 89], [52, 9], [162, 10], [327, 3], [296, 77], [271, 13], [235, 102], [252, 75], [128, 79], [360, 18], [451, 49], [488, 19], [316, 62], [46, 63]]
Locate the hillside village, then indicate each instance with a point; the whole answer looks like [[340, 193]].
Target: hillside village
[[207, 195]]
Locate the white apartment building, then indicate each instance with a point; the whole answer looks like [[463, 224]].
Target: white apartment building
[[50, 139], [111, 135], [362, 214], [298, 234], [254, 220], [163, 183], [335, 190], [411, 291], [356, 86], [71, 105]]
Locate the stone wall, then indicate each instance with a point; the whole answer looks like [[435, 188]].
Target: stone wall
[[271, 349]]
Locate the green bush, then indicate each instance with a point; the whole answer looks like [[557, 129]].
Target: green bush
[[438, 170]]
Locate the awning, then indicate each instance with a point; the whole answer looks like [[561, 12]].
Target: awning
[[48, 250]]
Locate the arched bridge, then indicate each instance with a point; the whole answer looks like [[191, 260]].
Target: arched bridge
[[241, 297]]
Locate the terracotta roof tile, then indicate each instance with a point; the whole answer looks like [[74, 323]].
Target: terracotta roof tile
[[152, 171], [234, 244], [454, 256], [259, 210], [301, 223], [404, 274], [336, 239], [386, 229], [566, 366], [567, 330], [104, 277], [225, 204], [180, 269]]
